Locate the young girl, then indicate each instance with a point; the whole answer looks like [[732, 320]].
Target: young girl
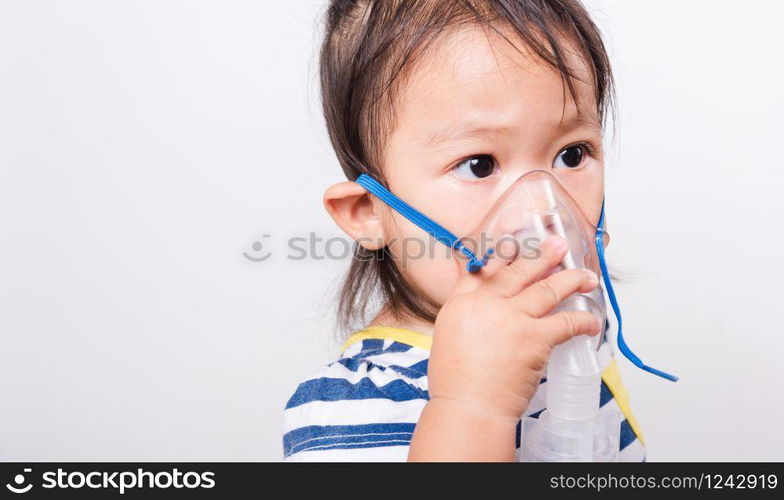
[[447, 103]]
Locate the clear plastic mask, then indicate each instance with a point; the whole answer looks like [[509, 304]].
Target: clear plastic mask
[[532, 209]]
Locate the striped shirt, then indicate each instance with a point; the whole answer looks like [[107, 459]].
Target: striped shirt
[[364, 406]]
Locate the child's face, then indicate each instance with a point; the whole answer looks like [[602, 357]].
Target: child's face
[[473, 117]]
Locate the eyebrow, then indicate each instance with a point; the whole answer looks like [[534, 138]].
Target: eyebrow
[[461, 131], [464, 130]]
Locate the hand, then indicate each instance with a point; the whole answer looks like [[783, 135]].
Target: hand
[[493, 336]]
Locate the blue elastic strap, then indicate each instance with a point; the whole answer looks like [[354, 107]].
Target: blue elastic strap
[[617, 309], [428, 225], [475, 264]]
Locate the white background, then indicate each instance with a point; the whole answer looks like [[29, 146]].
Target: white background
[[145, 145]]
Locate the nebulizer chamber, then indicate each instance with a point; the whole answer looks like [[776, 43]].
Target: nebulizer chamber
[[571, 428]]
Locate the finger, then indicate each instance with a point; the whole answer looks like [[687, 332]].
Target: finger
[[539, 299], [496, 261], [528, 268], [564, 325]]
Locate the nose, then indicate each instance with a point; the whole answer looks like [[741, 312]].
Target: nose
[[527, 214], [525, 202]]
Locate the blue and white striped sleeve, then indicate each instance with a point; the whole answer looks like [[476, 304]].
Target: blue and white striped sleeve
[[356, 409]]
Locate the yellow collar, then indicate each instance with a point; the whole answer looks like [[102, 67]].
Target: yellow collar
[[408, 337]]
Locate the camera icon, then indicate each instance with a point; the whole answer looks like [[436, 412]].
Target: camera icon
[[19, 481], [257, 247]]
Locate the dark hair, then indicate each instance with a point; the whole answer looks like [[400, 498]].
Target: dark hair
[[369, 46]]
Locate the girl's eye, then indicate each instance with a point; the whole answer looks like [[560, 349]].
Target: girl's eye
[[571, 157], [476, 167]]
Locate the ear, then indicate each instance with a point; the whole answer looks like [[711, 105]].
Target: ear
[[350, 206]]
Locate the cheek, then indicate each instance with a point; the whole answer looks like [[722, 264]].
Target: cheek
[[427, 265], [434, 276], [588, 192]]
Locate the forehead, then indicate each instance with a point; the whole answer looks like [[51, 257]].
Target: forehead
[[472, 77]]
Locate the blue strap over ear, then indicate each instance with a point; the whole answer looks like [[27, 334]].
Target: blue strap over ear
[[617, 308], [444, 236], [428, 225]]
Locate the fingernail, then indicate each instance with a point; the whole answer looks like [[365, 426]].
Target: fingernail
[[593, 279], [557, 243]]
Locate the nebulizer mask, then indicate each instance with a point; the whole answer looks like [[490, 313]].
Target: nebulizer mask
[[571, 428]]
